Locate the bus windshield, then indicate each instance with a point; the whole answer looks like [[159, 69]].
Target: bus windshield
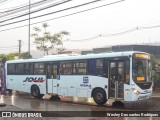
[[141, 68]]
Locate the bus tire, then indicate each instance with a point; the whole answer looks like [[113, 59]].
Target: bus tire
[[99, 96], [35, 92]]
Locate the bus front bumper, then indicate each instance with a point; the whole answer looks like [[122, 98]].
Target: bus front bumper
[[141, 96]]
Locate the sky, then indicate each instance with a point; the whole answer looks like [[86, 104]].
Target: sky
[[110, 19]]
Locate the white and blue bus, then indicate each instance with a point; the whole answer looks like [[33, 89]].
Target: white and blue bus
[[122, 76]]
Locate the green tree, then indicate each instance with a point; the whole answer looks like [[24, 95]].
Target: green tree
[[12, 56], [7, 57], [25, 55], [155, 74], [46, 41], [153, 62]]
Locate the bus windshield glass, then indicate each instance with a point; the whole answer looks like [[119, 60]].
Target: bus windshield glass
[[141, 68]]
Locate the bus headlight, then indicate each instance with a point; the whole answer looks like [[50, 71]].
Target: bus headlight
[[135, 91]]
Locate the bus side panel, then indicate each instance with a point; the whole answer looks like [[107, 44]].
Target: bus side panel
[[127, 93], [23, 83], [80, 85]]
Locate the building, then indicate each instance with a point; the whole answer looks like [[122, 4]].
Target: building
[[152, 49], [70, 52]]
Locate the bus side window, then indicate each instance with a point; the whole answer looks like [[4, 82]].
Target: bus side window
[[54, 71], [20, 69], [49, 76], [11, 69], [39, 68], [65, 68], [80, 67], [95, 67], [28, 68]]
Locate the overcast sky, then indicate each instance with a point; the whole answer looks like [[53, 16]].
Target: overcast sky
[[110, 19]]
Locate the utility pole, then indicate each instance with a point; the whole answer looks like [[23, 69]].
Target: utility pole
[[29, 7], [20, 45]]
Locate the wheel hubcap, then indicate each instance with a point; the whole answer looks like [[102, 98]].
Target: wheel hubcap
[[99, 96]]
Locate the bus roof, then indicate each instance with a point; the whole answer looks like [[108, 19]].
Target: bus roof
[[63, 57]]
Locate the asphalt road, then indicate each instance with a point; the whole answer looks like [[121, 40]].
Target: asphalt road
[[24, 102]]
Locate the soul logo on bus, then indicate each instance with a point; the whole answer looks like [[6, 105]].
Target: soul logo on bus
[[34, 79]]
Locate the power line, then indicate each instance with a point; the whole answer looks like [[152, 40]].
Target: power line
[[13, 28], [60, 16], [94, 37], [25, 6], [120, 33], [100, 35], [86, 39], [149, 27], [80, 5], [12, 8], [106, 35], [48, 13], [3, 1], [67, 15], [103, 35], [116, 34], [24, 14]]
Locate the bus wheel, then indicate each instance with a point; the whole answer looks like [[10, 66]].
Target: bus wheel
[[35, 92], [99, 96]]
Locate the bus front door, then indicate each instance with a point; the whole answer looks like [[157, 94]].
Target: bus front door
[[116, 79], [52, 78]]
